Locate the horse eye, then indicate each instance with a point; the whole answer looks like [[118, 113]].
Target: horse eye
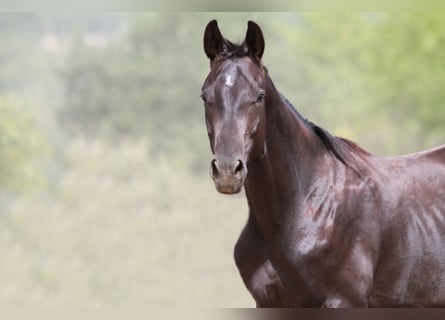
[[203, 98], [260, 97]]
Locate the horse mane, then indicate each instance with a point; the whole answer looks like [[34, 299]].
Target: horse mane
[[347, 151], [237, 50], [344, 150]]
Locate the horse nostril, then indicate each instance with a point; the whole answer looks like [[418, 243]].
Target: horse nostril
[[213, 169], [225, 169], [239, 166]]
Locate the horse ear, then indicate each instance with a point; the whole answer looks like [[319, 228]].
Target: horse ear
[[213, 40], [254, 40]]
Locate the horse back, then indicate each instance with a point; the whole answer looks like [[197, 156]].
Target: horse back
[[411, 266], [437, 155]]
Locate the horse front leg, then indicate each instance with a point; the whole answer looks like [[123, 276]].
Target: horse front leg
[[257, 271]]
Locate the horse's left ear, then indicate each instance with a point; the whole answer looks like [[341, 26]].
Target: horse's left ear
[[254, 40]]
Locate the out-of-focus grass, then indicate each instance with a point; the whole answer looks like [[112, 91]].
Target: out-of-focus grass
[[122, 230]]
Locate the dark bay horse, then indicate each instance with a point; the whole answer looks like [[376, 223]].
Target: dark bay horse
[[330, 225]]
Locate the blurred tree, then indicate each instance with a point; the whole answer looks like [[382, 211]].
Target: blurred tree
[[412, 73], [147, 84], [386, 67], [21, 145]]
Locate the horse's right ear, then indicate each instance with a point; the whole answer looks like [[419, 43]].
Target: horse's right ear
[[214, 42]]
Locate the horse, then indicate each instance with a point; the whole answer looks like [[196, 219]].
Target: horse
[[329, 224]]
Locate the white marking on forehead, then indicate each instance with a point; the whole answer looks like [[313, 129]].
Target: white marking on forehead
[[229, 79]]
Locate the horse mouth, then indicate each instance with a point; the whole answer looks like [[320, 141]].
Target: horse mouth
[[228, 189], [229, 185]]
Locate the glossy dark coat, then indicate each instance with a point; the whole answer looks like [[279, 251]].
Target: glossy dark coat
[[329, 225]]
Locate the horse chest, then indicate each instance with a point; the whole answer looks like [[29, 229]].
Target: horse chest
[[274, 285], [266, 286], [257, 269]]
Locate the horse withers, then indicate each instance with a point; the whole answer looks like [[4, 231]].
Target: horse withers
[[329, 225]]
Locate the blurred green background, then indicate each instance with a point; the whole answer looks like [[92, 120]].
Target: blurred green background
[[105, 197]]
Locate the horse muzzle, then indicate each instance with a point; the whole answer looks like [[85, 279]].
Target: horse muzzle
[[228, 175]]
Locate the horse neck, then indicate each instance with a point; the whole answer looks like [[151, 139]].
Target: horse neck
[[284, 174], [290, 140]]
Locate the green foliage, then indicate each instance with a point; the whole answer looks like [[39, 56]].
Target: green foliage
[[139, 86], [351, 68], [413, 71], [21, 146]]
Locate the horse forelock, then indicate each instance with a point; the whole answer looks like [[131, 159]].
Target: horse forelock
[[236, 50]]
